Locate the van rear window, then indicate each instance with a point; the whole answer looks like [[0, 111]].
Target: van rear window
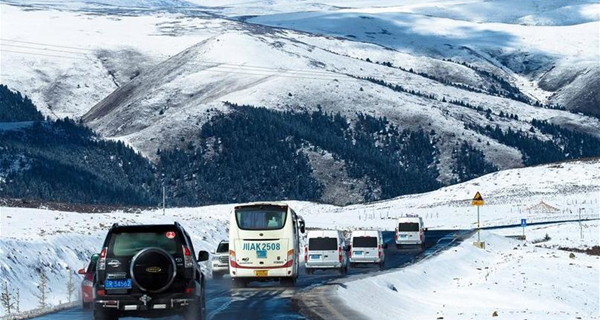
[[322, 244], [408, 227], [364, 242]]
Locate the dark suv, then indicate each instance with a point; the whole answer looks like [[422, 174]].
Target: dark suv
[[149, 271]]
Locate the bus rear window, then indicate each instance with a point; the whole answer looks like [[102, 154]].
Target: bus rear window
[[129, 243], [364, 242], [320, 244], [408, 227], [257, 219]]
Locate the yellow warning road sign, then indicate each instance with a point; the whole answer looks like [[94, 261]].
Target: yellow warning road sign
[[477, 200]]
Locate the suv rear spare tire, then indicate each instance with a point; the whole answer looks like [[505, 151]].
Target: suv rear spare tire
[[153, 270]]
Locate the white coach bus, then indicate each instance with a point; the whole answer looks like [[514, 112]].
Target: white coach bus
[[264, 243]]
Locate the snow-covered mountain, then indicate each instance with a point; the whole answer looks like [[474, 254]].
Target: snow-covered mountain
[[153, 76]]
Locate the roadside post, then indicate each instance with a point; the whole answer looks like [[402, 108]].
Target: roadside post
[[478, 202], [523, 224]]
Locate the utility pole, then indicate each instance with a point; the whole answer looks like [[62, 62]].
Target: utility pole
[[164, 198], [580, 225]]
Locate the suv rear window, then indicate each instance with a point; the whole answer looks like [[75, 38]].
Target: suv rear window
[[129, 243], [364, 242], [223, 247], [408, 227], [322, 244]]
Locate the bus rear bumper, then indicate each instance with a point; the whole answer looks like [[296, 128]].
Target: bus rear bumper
[[261, 273]]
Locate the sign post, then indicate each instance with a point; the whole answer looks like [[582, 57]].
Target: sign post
[[523, 224], [478, 202]]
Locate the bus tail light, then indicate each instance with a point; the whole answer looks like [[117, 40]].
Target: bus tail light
[[232, 258], [290, 256], [102, 260], [188, 262], [305, 254]]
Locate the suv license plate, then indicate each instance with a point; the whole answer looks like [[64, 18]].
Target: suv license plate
[[261, 273], [118, 284]]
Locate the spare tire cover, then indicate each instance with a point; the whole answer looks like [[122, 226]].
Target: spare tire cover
[[153, 270]]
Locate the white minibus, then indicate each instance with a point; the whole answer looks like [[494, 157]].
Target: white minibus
[[367, 246], [264, 243], [325, 249], [410, 230]]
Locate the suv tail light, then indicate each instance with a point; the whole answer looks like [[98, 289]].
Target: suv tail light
[[187, 257], [340, 254], [102, 260]]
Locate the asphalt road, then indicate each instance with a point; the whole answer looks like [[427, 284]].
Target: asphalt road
[[269, 301]]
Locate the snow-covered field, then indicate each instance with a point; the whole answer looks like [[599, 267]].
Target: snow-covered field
[[510, 278], [54, 240], [568, 235]]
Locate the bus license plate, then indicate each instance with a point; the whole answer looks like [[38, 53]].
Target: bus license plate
[[261, 273]]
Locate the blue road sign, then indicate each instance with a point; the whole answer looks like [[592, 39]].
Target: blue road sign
[[523, 222]]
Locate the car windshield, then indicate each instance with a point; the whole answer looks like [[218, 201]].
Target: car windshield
[[322, 244], [129, 243], [408, 227], [364, 242], [261, 219], [223, 247]]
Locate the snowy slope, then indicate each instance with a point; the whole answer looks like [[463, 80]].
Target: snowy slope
[[515, 281], [279, 70], [526, 41], [66, 70]]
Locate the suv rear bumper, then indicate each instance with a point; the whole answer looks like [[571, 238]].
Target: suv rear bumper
[[161, 303]]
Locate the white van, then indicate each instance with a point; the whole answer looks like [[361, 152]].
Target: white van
[[410, 230], [367, 246], [325, 249], [264, 243]]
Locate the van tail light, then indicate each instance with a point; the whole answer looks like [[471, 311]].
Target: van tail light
[[102, 260], [305, 254], [396, 236], [340, 254], [350, 251], [379, 251], [187, 257]]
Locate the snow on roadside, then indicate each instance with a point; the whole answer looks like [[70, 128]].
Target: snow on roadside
[[569, 235], [60, 242], [516, 281]]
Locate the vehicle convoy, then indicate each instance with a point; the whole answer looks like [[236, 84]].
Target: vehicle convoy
[[264, 243], [149, 271], [367, 247], [326, 249], [220, 260], [410, 230], [87, 285]]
